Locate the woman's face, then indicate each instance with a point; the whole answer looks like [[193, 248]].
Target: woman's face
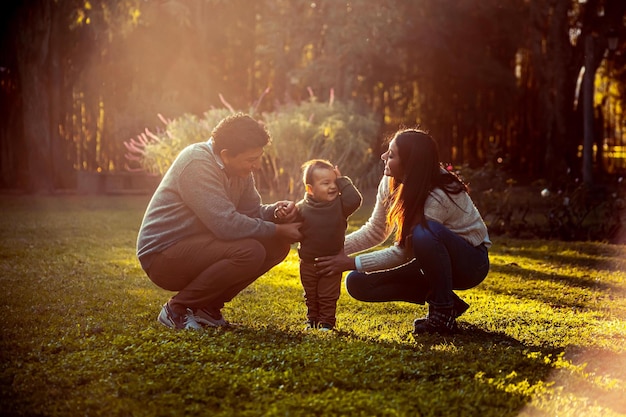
[[393, 167]]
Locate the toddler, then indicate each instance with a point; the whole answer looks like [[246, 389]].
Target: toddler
[[329, 200]]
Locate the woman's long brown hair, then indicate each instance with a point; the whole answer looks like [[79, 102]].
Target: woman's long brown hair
[[419, 157]]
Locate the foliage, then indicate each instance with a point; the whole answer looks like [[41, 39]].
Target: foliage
[[154, 152], [567, 209], [81, 77], [334, 130], [577, 211], [492, 191], [544, 335]]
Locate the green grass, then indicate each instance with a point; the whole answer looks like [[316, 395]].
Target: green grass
[[544, 335]]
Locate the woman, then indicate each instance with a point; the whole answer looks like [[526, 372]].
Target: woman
[[441, 241]]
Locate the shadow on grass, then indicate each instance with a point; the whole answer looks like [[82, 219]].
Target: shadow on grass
[[601, 258], [583, 282], [583, 287], [460, 374]]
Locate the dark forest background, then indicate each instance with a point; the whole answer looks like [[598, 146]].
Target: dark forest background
[[491, 79]]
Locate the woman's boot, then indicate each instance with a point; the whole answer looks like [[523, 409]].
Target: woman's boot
[[439, 320], [460, 307]]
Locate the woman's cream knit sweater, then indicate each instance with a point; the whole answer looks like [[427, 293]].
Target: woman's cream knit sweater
[[461, 218]]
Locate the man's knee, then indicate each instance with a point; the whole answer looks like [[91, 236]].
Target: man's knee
[[276, 250], [249, 251]]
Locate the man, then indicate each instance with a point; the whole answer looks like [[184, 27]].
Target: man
[[205, 233]]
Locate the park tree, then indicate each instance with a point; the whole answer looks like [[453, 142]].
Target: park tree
[[59, 94], [460, 60], [488, 79], [551, 60], [33, 54], [598, 21], [12, 151]]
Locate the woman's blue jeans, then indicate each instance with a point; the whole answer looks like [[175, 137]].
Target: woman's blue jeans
[[444, 262]]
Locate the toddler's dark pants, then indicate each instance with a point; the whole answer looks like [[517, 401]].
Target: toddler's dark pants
[[320, 294]]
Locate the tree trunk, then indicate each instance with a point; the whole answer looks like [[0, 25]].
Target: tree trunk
[[60, 164], [32, 62], [12, 152], [559, 56], [587, 96]]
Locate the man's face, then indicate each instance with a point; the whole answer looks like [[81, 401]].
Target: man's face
[[243, 164]]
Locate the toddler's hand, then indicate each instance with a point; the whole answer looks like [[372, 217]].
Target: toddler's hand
[[285, 211], [280, 211]]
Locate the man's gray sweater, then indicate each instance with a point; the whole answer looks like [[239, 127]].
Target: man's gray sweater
[[195, 197]]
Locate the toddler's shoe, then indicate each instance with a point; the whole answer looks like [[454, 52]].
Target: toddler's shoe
[[325, 327]]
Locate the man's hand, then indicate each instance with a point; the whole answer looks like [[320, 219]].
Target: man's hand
[[329, 265], [285, 212], [289, 231]]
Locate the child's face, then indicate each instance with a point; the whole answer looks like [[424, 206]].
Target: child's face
[[324, 187]]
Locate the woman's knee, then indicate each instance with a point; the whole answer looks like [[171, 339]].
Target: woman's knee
[[355, 285]]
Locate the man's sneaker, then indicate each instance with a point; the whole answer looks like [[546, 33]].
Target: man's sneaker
[[210, 318], [177, 321]]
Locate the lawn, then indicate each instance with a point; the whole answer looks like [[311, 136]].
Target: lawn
[[544, 335]]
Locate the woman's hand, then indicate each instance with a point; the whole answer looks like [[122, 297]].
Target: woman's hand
[[329, 265]]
